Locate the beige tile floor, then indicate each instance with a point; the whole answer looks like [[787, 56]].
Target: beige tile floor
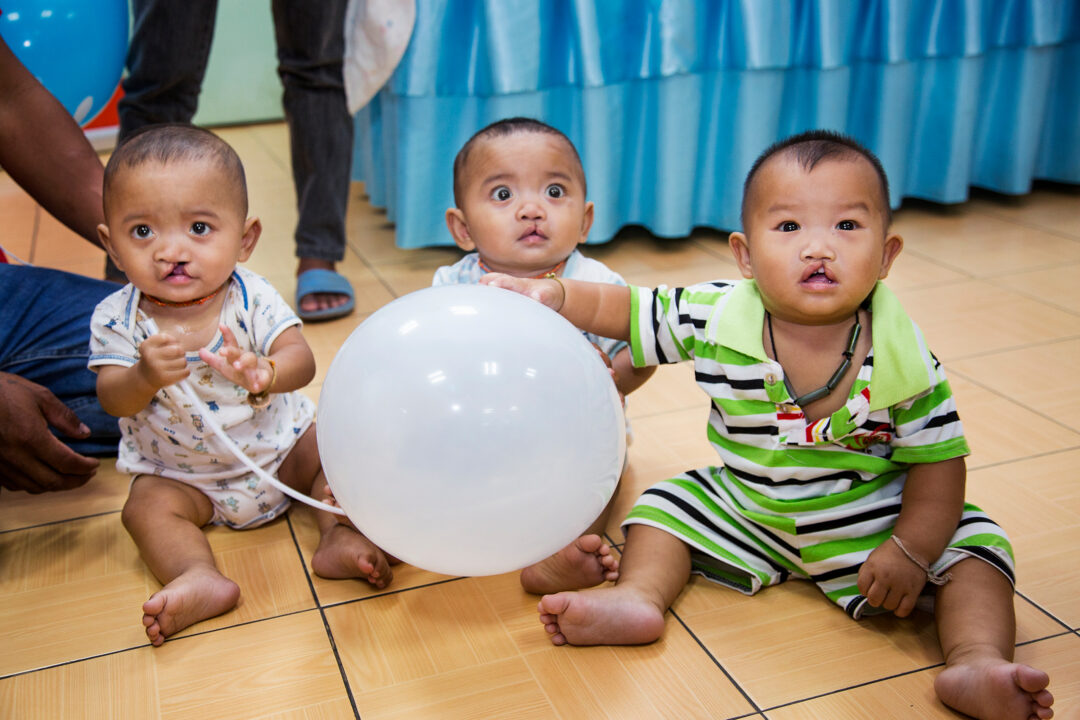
[[993, 284]]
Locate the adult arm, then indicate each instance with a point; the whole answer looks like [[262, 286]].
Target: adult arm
[[46, 152]]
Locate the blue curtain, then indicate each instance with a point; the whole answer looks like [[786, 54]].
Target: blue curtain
[[670, 101]]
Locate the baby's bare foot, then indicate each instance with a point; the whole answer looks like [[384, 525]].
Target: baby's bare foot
[[602, 616], [991, 688], [198, 594], [345, 553], [583, 563]]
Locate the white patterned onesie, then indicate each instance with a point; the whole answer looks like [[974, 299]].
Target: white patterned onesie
[[169, 438]]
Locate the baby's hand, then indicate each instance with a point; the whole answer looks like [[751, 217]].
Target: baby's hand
[[889, 579], [242, 367], [161, 361], [546, 291], [611, 369]]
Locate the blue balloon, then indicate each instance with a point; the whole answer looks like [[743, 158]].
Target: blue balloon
[[76, 48]]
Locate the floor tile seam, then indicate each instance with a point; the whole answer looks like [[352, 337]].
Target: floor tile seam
[[934, 260], [322, 616], [1027, 225], [1012, 348], [172, 639], [60, 522], [1045, 611], [372, 268], [386, 593], [709, 251], [716, 662], [856, 686], [968, 275], [995, 281], [1010, 398], [1025, 458], [279, 162]]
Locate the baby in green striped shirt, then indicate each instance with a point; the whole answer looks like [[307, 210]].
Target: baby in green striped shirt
[[842, 451]]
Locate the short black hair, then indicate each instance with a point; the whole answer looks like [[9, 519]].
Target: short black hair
[[170, 142], [811, 147], [502, 128]]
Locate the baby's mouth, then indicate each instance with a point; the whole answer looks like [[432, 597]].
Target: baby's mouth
[[533, 234], [178, 271], [818, 276]]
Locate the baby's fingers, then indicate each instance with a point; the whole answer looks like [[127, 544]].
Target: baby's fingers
[[228, 337]]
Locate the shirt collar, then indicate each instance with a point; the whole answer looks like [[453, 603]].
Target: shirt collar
[[901, 366]]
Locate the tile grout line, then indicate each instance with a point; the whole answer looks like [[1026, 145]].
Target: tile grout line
[[325, 622], [171, 639], [60, 522], [1036, 456], [716, 662], [994, 391], [1045, 611]]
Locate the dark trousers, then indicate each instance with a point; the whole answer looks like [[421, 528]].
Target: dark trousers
[[45, 338], [166, 63]]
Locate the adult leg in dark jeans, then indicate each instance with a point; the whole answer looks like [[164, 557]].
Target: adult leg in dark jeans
[[44, 346], [311, 47], [167, 59]]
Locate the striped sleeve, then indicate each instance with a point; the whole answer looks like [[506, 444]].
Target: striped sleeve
[[928, 428], [668, 324]]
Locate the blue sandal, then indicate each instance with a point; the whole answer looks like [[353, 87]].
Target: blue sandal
[[323, 281]]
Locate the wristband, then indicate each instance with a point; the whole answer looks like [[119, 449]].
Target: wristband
[[553, 276], [262, 399], [930, 575]]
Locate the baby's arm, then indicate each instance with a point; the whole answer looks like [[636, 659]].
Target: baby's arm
[[931, 507], [124, 391], [599, 308], [627, 377], [293, 368]]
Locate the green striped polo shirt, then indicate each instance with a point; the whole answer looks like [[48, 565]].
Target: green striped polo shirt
[[900, 409]]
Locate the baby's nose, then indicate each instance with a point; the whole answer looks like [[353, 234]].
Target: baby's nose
[[530, 210]]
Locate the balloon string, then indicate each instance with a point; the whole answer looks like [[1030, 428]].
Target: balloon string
[[209, 419]]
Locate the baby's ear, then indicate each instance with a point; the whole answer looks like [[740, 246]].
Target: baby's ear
[[459, 229], [586, 223], [740, 248], [252, 232], [106, 242], [893, 245]]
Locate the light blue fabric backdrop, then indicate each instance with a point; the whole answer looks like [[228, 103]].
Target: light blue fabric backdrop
[[670, 101]]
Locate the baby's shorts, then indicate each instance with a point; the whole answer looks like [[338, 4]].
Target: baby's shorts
[[242, 502], [732, 549]]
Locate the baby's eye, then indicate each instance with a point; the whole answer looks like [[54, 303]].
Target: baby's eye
[[846, 225], [501, 193], [555, 191], [788, 226], [199, 228], [142, 231]]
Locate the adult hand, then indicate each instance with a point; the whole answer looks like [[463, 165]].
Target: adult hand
[[31, 457]]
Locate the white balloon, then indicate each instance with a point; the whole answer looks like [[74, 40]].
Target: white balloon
[[469, 430]]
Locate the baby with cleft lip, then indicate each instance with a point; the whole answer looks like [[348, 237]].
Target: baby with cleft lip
[[842, 451], [521, 209]]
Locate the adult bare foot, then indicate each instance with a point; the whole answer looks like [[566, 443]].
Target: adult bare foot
[[991, 688], [317, 301], [615, 615], [345, 553], [198, 594], [583, 563]]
